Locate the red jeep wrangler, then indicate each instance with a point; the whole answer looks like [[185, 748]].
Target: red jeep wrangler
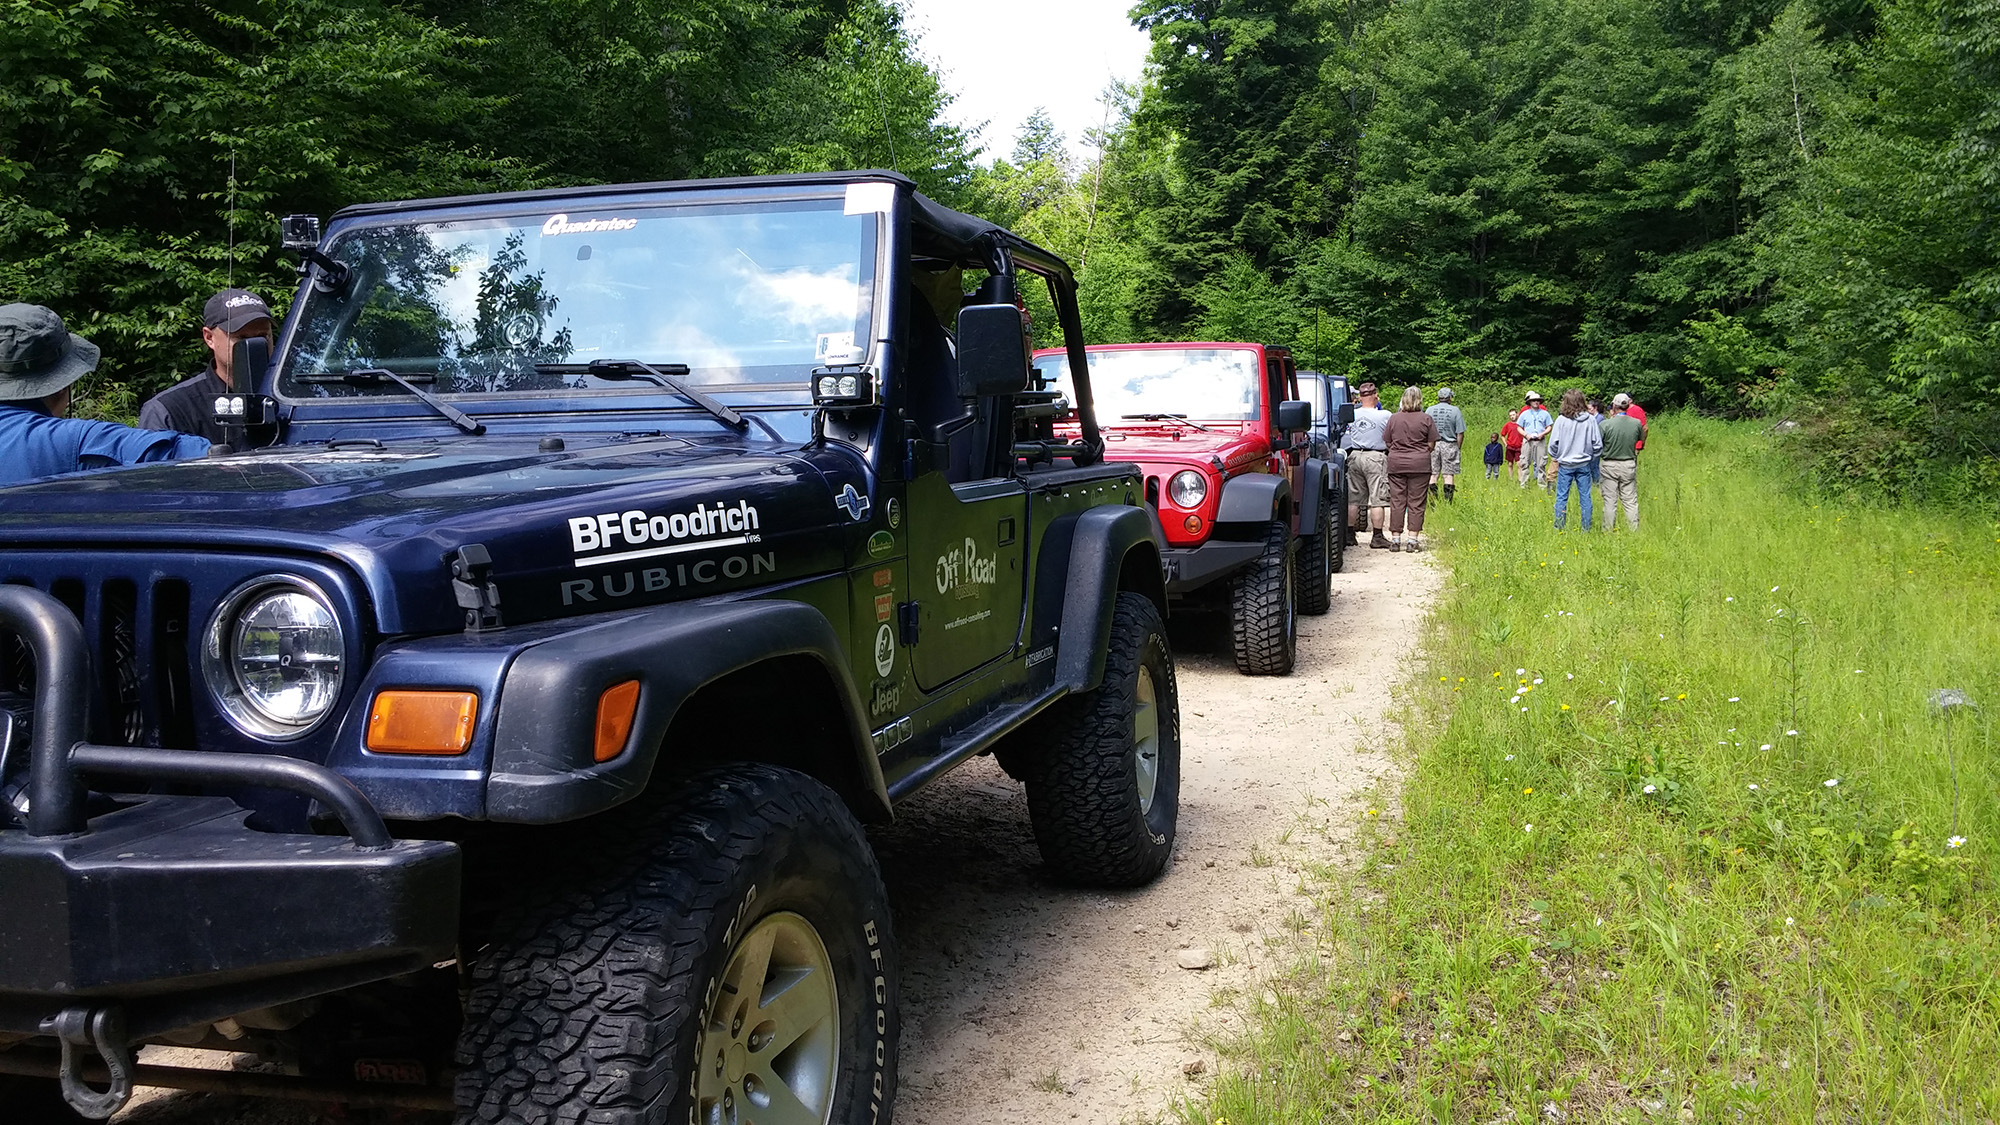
[[1220, 433]]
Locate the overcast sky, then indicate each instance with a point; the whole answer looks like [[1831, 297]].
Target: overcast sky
[[1004, 59]]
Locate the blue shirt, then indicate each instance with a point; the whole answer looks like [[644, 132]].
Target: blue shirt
[[34, 443], [1534, 423]]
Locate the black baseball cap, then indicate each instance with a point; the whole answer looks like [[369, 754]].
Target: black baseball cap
[[231, 309], [1365, 389]]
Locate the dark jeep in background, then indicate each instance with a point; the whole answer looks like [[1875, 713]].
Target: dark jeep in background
[[492, 729], [1247, 507]]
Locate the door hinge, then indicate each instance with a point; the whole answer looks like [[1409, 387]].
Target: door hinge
[[908, 617]]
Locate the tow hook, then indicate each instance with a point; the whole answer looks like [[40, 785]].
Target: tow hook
[[102, 1029]]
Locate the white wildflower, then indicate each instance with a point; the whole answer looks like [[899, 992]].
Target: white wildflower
[[1831, 782], [1647, 789], [1955, 842]]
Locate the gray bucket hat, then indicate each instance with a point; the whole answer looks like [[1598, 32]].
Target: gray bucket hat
[[38, 356]]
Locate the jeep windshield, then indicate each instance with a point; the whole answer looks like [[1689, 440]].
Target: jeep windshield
[[1203, 384], [745, 297]]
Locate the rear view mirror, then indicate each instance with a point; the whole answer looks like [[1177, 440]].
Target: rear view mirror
[[1294, 416], [992, 351]]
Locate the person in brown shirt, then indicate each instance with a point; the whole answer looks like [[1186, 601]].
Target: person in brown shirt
[[1411, 434]]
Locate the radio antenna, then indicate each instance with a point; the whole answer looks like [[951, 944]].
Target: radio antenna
[[232, 217]]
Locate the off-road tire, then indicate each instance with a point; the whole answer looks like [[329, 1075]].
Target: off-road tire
[[1336, 558], [1263, 622], [1084, 779], [591, 1003], [1315, 569]]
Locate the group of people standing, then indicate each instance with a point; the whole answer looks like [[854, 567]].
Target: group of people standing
[[1582, 445], [1400, 460], [41, 360]]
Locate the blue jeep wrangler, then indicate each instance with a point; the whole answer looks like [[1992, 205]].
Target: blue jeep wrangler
[[492, 725]]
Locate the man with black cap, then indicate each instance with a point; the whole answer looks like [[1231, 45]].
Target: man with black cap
[[188, 406], [1367, 444], [39, 359]]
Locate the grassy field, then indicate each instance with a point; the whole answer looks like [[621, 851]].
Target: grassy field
[[1684, 835]]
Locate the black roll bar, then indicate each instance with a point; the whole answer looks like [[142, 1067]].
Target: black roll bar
[[57, 752]]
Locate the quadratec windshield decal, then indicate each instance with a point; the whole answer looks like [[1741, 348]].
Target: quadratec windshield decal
[[645, 535]]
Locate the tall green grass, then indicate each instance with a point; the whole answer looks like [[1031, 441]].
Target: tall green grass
[[1674, 840]]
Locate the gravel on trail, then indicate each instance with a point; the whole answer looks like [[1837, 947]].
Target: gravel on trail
[[1025, 1000]]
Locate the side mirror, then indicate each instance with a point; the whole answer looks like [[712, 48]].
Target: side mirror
[[1346, 413], [992, 351], [1294, 417], [249, 419]]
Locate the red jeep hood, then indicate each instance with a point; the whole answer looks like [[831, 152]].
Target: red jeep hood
[[1166, 443]]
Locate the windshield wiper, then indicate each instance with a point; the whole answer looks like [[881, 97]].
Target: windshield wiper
[[665, 375], [1181, 418], [375, 376]]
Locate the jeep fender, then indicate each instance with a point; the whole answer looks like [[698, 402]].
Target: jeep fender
[[1250, 502], [543, 770], [1085, 560], [1318, 486]]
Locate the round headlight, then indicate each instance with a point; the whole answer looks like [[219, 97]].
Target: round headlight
[[1188, 488], [272, 657]]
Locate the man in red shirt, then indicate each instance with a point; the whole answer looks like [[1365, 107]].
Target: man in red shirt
[[1623, 402]]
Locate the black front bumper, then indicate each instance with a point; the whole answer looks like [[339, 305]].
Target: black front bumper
[[1191, 568], [171, 908]]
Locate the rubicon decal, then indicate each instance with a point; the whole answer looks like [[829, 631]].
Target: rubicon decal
[[697, 530], [560, 224]]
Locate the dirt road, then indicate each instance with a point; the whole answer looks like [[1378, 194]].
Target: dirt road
[[1028, 1002]]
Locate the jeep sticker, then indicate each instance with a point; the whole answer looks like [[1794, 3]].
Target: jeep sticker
[[885, 651], [895, 512], [886, 699], [885, 605], [560, 224], [881, 543], [960, 570], [653, 579], [638, 527], [853, 503]]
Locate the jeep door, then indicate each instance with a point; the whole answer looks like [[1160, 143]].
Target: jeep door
[[967, 545]]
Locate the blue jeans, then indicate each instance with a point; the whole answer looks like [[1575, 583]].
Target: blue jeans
[[1567, 474]]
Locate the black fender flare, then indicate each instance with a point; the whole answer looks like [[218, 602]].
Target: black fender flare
[[1084, 561], [1318, 484], [1250, 502], [542, 768]]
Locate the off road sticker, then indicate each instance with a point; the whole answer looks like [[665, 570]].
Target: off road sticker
[[885, 651], [720, 524], [962, 570], [885, 606], [853, 503], [883, 577], [881, 544], [895, 512]]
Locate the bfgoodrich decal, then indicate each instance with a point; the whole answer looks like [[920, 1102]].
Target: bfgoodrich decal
[[720, 524]]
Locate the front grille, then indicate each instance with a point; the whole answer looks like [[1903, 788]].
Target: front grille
[[140, 655]]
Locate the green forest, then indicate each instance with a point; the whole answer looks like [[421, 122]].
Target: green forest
[[1749, 207]]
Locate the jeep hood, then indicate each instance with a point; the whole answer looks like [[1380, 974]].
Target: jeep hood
[[725, 512], [1183, 445]]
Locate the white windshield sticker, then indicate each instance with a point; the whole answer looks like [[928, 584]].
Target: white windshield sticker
[[868, 199]]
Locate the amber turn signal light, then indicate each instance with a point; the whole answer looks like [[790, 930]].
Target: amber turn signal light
[[422, 722], [615, 709], [1192, 523]]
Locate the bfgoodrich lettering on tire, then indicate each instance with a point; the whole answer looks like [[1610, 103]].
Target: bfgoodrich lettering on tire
[[724, 959], [1104, 782]]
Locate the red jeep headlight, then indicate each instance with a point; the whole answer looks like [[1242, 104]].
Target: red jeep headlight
[[1188, 488]]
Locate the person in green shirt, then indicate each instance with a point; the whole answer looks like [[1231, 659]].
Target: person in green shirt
[[1623, 435]]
